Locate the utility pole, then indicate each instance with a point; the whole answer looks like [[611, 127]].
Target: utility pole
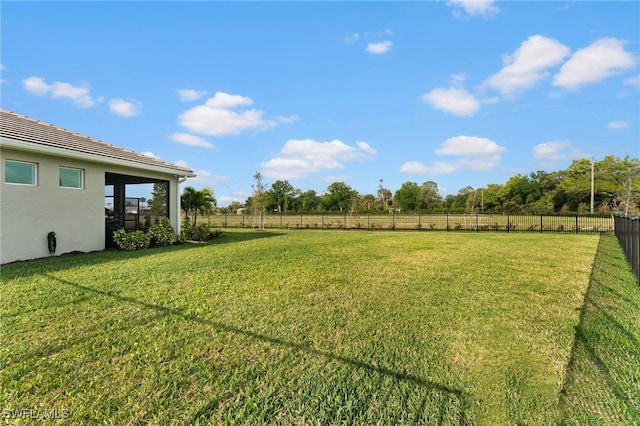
[[592, 196]]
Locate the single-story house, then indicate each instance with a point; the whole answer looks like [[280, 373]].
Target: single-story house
[[55, 180]]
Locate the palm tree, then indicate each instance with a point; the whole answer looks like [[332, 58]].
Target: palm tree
[[196, 201]]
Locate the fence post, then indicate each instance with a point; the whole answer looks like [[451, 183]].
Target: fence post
[[393, 221], [541, 224], [281, 220], [477, 229], [225, 219], [508, 225], [576, 224], [368, 220], [448, 222], [243, 221]]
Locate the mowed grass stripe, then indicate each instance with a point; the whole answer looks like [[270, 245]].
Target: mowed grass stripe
[[602, 384], [299, 327]]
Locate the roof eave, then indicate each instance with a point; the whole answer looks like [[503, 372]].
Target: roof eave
[[33, 147]]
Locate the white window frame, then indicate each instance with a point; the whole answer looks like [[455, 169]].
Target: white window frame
[[74, 169], [34, 174]]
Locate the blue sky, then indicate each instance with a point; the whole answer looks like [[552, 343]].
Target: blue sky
[[454, 92]]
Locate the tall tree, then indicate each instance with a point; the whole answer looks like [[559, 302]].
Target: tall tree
[[368, 201], [158, 201], [430, 198], [408, 197], [339, 196], [281, 193], [308, 201], [518, 192], [259, 198], [617, 184], [459, 201], [574, 191], [385, 196]]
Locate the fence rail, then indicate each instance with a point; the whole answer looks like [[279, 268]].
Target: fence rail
[[627, 229], [446, 222]]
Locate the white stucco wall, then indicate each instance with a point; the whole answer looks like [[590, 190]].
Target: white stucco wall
[[29, 213]]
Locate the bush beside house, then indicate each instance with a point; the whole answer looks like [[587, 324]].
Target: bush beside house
[[162, 234]]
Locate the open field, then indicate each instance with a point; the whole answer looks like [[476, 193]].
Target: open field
[[325, 328], [433, 222]]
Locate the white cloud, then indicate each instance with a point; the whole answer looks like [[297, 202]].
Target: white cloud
[[528, 64], [470, 146], [437, 168], [551, 153], [286, 120], [182, 163], [125, 108], [79, 95], [480, 8], [472, 152], [632, 81], [225, 100], [336, 178], [379, 48], [352, 38], [219, 116], [190, 140], [36, 86], [618, 125], [365, 147], [204, 178], [594, 63], [188, 95], [300, 158], [226, 200], [453, 100], [150, 154], [207, 179]]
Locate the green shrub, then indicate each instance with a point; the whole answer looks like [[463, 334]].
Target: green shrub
[[199, 232], [162, 233], [136, 240]]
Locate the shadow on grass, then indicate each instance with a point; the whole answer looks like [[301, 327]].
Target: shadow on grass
[[453, 403], [237, 236], [26, 268], [601, 381]]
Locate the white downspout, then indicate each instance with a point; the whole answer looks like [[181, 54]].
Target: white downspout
[[178, 206]]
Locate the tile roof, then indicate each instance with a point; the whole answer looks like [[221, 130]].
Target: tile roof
[[22, 128]]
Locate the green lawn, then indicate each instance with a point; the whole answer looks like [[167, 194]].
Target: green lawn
[[321, 328]]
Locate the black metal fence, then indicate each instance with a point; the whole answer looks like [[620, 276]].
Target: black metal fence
[[445, 222], [627, 229]]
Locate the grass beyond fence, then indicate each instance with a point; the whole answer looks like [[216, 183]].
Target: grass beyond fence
[[312, 327], [474, 223]]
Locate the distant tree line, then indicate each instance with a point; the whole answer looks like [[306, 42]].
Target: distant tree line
[[616, 189]]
